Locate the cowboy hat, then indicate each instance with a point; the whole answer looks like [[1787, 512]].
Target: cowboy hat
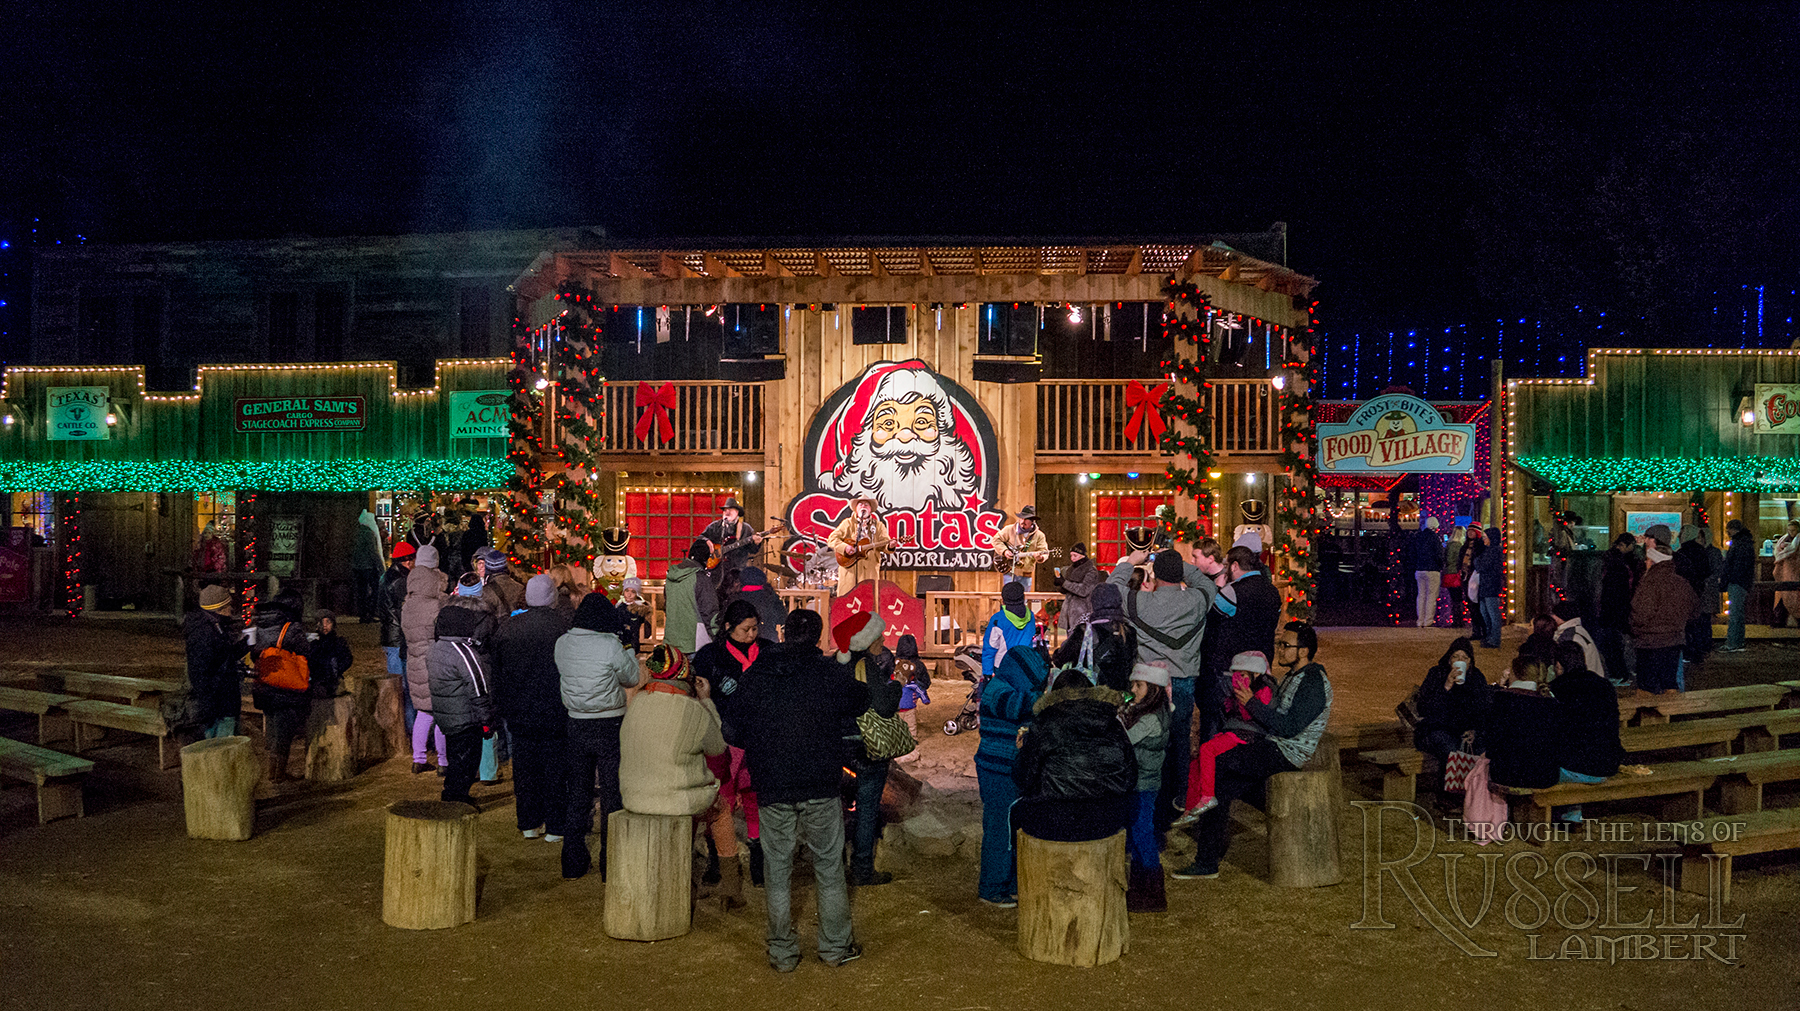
[[731, 502], [1027, 513]]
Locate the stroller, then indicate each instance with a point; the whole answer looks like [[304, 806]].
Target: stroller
[[968, 663]]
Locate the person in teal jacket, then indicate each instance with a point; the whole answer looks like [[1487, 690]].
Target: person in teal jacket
[[1006, 704], [1010, 626]]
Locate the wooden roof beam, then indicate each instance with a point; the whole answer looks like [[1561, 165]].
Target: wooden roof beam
[[773, 268], [621, 267], [875, 267], [925, 266], [669, 268], [823, 263], [1136, 266], [716, 267]]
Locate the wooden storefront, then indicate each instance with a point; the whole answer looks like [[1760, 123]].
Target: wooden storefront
[[1646, 435]]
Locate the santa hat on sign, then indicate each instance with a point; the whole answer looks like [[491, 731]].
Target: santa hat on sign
[[891, 380], [856, 633]]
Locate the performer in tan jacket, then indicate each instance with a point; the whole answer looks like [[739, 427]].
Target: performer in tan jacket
[[861, 524], [1028, 547]]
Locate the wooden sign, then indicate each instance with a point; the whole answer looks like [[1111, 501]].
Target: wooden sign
[[1396, 434], [78, 412], [299, 414], [1777, 408]]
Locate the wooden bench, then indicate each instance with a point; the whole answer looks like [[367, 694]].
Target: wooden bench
[[1650, 709], [1400, 768], [1714, 735], [1760, 832], [58, 777], [113, 686], [1685, 783], [94, 713], [24, 700]]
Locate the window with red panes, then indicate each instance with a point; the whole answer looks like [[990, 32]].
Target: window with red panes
[[663, 522], [1113, 512]]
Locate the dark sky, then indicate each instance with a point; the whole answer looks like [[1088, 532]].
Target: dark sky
[[1434, 162]]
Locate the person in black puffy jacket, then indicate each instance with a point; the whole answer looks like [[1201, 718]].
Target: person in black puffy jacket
[[215, 644], [1524, 732], [1076, 771], [528, 692], [460, 669], [1590, 716], [1452, 700], [278, 625]]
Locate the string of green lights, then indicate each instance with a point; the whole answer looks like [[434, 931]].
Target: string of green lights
[[277, 475], [1722, 473]]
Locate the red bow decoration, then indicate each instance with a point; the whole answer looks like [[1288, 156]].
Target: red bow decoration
[[655, 405], [1144, 405]]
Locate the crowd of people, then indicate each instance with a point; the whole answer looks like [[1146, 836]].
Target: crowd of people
[[738, 712]]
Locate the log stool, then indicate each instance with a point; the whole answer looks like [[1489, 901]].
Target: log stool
[[218, 783], [429, 882], [1072, 900], [649, 876], [329, 755], [1303, 824]]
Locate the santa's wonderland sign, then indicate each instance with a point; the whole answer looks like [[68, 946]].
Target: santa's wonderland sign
[[923, 449]]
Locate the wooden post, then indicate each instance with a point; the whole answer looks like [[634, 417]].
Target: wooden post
[[330, 756], [429, 881], [1303, 830], [1072, 900], [649, 876], [218, 779]]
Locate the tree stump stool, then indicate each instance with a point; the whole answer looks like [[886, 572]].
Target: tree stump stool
[[218, 784], [649, 876], [1303, 825], [1072, 900], [429, 880], [329, 754]]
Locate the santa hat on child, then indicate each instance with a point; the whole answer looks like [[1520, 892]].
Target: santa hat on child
[[856, 633]]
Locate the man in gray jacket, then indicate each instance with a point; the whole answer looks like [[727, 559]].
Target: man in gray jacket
[[595, 668], [1170, 622]]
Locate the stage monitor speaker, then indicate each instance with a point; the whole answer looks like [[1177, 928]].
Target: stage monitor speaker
[[752, 329], [753, 370], [991, 371]]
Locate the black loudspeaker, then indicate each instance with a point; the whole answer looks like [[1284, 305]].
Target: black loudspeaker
[[878, 324], [1008, 328], [753, 370], [752, 330], [934, 582], [988, 371]]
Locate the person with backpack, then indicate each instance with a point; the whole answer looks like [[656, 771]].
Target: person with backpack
[[460, 672], [425, 595], [860, 648], [283, 679], [528, 693], [215, 644], [1010, 626], [915, 687], [1105, 637]]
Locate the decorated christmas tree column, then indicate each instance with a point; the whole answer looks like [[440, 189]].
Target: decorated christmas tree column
[[1298, 523], [1186, 319]]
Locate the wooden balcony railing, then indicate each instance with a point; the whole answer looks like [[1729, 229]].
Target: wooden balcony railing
[[709, 417], [1088, 417]]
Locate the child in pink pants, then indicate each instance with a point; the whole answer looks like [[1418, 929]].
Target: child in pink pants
[[1251, 669]]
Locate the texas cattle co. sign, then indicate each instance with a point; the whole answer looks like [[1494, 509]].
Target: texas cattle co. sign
[[77, 412], [299, 414], [1396, 434], [919, 445]]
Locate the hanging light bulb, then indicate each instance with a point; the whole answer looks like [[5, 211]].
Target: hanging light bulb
[[542, 383], [1074, 313], [111, 418], [1081, 479], [1279, 382]]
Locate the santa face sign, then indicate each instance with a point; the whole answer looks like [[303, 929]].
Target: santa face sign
[[923, 449]]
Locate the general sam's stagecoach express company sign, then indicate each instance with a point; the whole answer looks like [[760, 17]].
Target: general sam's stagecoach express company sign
[[299, 414], [1396, 434], [919, 445]]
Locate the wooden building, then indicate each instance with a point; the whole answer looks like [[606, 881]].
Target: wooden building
[[1645, 436]]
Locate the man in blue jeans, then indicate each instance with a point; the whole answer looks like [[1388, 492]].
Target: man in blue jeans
[[1490, 570], [1740, 572]]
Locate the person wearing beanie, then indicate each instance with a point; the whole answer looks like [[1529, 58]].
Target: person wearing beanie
[[789, 716], [528, 694], [1010, 626], [594, 668], [1145, 716], [691, 601], [634, 611], [756, 589], [1021, 672], [1076, 771], [738, 653], [1077, 582], [426, 592], [1248, 669], [1171, 624], [390, 600], [507, 591], [427, 531], [861, 648], [1660, 609], [671, 730], [1112, 652], [915, 688], [472, 594], [215, 644]]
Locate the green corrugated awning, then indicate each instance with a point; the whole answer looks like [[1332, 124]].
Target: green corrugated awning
[[1765, 474], [254, 475]]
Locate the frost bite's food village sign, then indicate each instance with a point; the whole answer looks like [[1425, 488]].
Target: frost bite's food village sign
[[1396, 434], [923, 449], [299, 414]]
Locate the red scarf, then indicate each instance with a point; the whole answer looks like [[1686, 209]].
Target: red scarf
[[744, 661]]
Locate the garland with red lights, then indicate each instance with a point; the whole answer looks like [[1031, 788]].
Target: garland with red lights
[[1298, 523], [564, 355], [69, 517], [1190, 365], [248, 550]]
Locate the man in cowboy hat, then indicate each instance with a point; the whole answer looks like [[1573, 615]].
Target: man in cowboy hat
[[859, 523], [1027, 545], [730, 527]]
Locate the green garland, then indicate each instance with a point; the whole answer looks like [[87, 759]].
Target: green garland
[[1764, 474], [259, 475], [1298, 522], [1190, 363]]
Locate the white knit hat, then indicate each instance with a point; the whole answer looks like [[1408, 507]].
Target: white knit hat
[[1150, 674]]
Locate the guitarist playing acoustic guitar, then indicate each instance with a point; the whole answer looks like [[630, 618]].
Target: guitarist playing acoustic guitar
[[1019, 548], [733, 541], [858, 541]]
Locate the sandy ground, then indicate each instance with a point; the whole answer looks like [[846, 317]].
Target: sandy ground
[[122, 910]]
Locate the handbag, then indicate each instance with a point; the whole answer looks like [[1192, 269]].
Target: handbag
[[884, 737], [1452, 580], [1457, 766]]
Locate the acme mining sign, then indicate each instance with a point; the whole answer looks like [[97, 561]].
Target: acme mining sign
[[299, 414]]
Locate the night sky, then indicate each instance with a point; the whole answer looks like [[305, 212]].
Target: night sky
[[1437, 168]]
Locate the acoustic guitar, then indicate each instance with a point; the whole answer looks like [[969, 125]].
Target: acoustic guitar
[[1003, 557], [719, 551]]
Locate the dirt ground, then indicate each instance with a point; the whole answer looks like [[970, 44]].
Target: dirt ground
[[121, 910]]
